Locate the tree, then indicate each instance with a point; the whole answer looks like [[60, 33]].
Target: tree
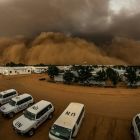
[[68, 77], [131, 75], [12, 64], [113, 76], [40, 65], [84, 73], [52, 71], [101, 75]]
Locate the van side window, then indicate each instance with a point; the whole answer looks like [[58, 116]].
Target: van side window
[[49, 107], [13, 93], [25, 100], [7, 95], [1, 96], [28, 99], [20, 102], [79, 118], [73, 130], [41, 113]]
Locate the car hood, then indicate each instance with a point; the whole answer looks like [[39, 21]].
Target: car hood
[[22, 123], [7, 108]]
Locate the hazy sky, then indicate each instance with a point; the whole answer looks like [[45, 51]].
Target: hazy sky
[[101, 18]]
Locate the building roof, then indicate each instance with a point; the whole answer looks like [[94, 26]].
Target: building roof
[[38, 106], [20, 97], [70, 115], [15, 68], [7, 91]]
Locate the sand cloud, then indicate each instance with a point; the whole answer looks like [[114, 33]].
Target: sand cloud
[[105, 21], [57, 48]]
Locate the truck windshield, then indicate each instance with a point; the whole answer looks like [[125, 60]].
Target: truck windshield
[[12, 103], [61, 132], [29, 115], [0, 96]]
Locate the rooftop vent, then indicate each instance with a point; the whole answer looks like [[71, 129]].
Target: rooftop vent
[[35, 107]]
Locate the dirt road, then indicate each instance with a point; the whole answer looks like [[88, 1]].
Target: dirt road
[[108, 110]]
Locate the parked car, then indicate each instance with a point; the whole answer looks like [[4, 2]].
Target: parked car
[[7, 95], [135, 127], [33, 117], [67, 125], [16, 105]]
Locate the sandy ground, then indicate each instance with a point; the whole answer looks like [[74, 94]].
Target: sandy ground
[[108, 110]]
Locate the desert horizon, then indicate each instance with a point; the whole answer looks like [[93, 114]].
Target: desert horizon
[[60, 49]]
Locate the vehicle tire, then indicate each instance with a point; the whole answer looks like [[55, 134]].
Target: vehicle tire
[[132, 130], [11, 115], [50, 116], [31, 132]]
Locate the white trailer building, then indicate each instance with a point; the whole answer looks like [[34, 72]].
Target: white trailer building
[[22, 70], [39, 69], [15, 70]]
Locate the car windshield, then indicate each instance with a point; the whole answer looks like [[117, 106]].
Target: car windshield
[[137, 120], [61, 132], [29, 115], [0, 96], [12, 103], [138, 125]]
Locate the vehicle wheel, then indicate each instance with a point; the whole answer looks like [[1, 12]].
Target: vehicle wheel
[[31, 132], [11, 115], [132, 130], [50, 116]]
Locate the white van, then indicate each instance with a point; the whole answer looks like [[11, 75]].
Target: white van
[[33, 117], [67, 125], [135, 128], [7, 95], [16, 105]]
